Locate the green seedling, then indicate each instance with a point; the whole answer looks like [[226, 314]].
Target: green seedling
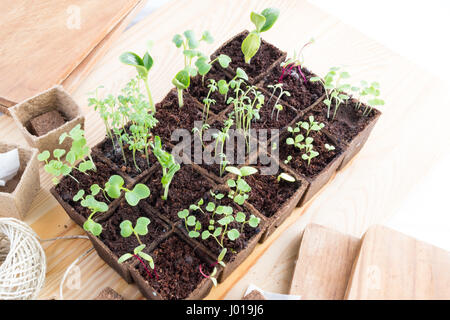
[[277, 106], [79, 151], [94, 207], [168, 164], [286, 177], [181, 81], [263, 22], [115, 186], [295, 62], [240, 189], [253, 221], [220, 138], [143, 66], [329, 147]]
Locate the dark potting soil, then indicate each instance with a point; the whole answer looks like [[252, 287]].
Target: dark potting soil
[[172, 117], [264, 58], [111, 229], [272, 119], [303, 94], [115, 154], [199, 89], [318, 163], [177, 269], [68, 187], [267, 194], [46, 122], [233, 247], [348, 121], [187, 187]]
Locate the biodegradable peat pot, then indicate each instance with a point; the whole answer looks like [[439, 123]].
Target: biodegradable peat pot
[[55, 98], [274, 200], [110, 245], [350, 126], [17, 195], [243, 246], [267, 57], [68, 188], [177, 275], [321, 169]]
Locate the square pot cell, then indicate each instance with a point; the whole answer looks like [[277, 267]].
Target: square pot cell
[[18, 193], [44, 106]]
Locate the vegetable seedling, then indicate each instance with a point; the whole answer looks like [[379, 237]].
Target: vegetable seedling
[[168, 164], [114, 187], [94, 206], [239, 187], [282, 93], [286, 177], [263, 22], [143, 66], [79, 150], [295, 62]]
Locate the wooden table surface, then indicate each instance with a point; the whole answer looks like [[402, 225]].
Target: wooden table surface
[[404, 145]]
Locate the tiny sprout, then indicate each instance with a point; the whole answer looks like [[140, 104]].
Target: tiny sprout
[[263, 21], [296, 61], [168, 164], [286, 177], [138, 254], [94, 206], [140, 229], [240, 188], [329, 147]]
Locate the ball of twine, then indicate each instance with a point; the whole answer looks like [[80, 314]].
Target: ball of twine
[[22, 261]]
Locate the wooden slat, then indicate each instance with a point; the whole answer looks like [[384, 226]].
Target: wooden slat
[[366, 192], [324, 264], [42, 43], [391, 265]]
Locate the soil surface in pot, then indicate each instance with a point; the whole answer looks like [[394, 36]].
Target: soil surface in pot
[[199, 88], [186, 188], [348, 121], [268, 195], [115, 154], [46, 122], [233, 247], [111, 229], [68, 187], [11, 185], [270, 118], [318, 163], [177, 269], [172, 117], [264, 58], [303, 94]]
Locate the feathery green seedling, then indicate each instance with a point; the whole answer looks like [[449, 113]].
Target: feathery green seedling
[[79, 150], [295, 62], [282, 93], [239, 187], [334, 88], [143, 66], [168, 164], [94, 207], [263, 22]]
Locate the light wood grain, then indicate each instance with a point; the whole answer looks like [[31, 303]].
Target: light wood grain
[[391, 265], [324, 264], [366, 192], [41, 45]]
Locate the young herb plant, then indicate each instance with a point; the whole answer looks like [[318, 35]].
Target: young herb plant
[[263, 22], [79, 151], [276, 105], [240, 189], [94, 207]]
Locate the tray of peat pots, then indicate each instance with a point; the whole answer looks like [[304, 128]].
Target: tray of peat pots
[[116, 241], [311, 153], [182, 270], [275, 191], [351, 125], [228, 231], [267, 57]]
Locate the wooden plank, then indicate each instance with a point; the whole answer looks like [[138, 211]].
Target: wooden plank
[[391, 265], [366, 192], [82, 70], [44, 41], [324, 264]]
